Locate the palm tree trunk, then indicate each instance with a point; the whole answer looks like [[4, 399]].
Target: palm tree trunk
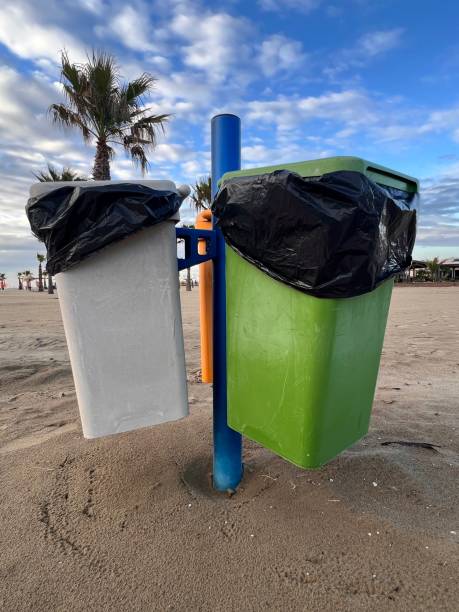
[[188, 279], [101, 170], [40, 278], [50, 283]]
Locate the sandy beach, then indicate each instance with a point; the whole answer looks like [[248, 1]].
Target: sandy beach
[[130, 522]]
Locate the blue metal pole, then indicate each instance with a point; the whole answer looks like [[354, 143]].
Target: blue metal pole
[[226, 156]]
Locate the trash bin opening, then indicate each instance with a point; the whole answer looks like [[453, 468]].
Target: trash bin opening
[[76, 221], [337, 235]]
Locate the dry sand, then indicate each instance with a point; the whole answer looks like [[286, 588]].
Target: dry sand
[[130, 522]]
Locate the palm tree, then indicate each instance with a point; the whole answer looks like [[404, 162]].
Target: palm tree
[[20, 281], [41, 259], [47, 283], [50, 284], [54, 175], [433, 265], [107, 111], [201, 196]]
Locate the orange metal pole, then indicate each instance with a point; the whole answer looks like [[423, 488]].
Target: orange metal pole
[[204, 221]]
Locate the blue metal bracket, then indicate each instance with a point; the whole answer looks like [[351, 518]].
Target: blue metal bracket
[[191, 238]]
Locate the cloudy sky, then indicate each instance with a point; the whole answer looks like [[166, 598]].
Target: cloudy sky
[[309, 78]]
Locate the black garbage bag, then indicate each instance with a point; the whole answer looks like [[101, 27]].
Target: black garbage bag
[[338, 235], [77, 221]]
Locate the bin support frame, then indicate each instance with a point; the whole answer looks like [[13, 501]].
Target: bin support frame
[[227, 443], [191, 237]]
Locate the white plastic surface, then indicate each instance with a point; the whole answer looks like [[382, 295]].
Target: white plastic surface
[[38, 188], [122, 320]]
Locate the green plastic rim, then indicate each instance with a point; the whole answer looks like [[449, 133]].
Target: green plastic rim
[[316, 167]]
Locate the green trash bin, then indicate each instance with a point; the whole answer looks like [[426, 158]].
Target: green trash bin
[[302, 370]]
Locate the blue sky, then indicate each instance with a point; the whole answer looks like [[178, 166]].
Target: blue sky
[[309, 78]]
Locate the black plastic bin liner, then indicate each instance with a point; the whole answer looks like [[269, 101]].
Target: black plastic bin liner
[[338, 235], [75, 222]]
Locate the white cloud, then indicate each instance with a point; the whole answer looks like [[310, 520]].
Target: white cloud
[[346, 132], [375, 43], [280, 54], [93, 6], [185, 94], [350, 107], [170, 152], [22, 101], [414, 124], [304, 6], [350, 118], [439, 213], [368, 47], [216, 43], [130, 27], [159, 62], [26, 37], [261, 155], [443, 120], [193, 167]]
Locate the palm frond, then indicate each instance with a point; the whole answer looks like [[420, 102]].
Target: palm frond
[[201, 196], [111, 152], [66, 117], [46, 176], [152, 120], [146, 128], [102, 75], [68, 174], [137, 88], [139, 157], [53, 175], [76, 88], [72, 73]]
